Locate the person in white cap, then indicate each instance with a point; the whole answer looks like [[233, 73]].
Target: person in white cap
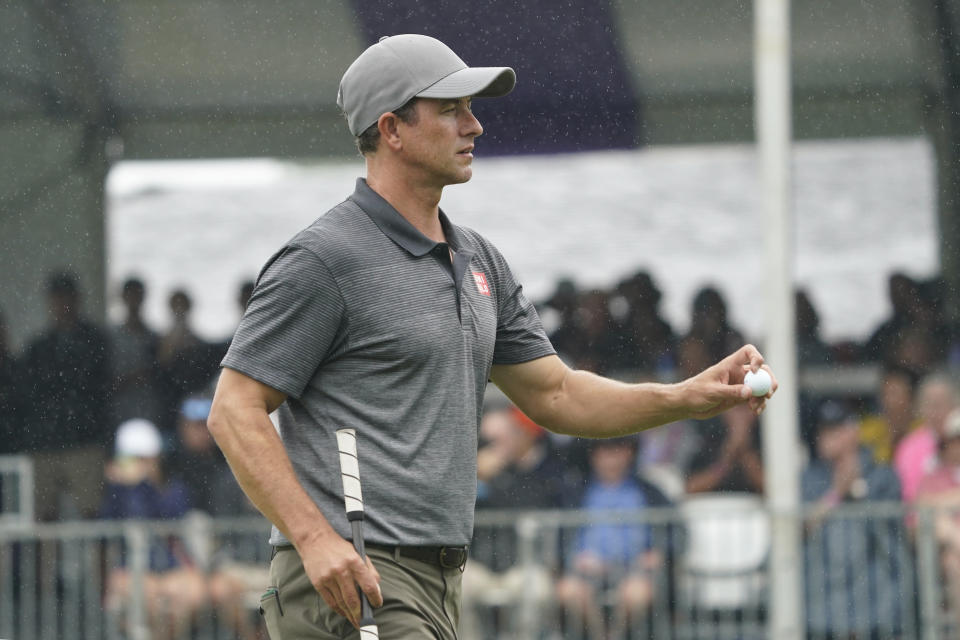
[[386, 317], [174, 588]]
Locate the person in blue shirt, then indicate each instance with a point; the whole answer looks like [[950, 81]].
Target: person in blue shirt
[[613, 562]]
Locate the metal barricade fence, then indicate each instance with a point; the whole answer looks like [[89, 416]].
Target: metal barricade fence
[[194, 578], [694, 572], [871, 571]]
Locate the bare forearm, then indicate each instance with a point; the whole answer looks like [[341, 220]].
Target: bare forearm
[[590, 406], [584, 404], [262, 468]]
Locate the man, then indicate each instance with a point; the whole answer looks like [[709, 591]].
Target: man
[[846, 556], [134, 351], [728, 458], [386, 317], [198, 461], [611, 561], [66, 377], [882, 433]]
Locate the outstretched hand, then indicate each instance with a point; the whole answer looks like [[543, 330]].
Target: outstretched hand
[[720, 387]]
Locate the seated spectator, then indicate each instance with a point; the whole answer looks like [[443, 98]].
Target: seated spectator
[[516, 469], [66, 380], [137, 488], [200, 465], [852, 565], [729, 455], [234, 578], [613, 562], [198, 462], [882, 432], [940, 491], [916, 454]]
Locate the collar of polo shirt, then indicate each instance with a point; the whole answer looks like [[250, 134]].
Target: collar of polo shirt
[[398, 228]]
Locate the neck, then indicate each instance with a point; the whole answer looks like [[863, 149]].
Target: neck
[[417, 202]]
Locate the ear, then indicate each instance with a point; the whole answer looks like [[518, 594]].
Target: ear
[[389, 126]]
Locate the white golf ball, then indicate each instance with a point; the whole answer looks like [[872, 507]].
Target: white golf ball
[[758, 382]]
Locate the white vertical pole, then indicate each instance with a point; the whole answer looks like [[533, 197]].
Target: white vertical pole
[[781, 460]]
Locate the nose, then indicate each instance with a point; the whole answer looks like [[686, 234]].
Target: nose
[[471, 126]]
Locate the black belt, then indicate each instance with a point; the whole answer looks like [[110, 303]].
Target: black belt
[[443, 557]]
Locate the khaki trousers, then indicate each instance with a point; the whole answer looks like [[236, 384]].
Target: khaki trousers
[[420, 600]]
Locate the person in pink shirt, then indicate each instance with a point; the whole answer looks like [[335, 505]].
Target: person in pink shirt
[[940, 491], [916, 455]]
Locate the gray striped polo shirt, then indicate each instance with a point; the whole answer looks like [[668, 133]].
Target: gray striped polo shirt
[[364, 322]]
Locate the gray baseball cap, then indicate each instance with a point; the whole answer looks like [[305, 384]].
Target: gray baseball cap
[[398, 68]]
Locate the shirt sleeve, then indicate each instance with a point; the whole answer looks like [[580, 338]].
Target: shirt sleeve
[[291, 324], [520, 334]]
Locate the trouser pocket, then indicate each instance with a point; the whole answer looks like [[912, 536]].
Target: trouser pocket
[[272, 611]]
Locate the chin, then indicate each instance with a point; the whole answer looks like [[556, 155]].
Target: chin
[[461, 177]]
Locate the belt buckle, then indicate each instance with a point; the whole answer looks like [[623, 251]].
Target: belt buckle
[[453, 557]]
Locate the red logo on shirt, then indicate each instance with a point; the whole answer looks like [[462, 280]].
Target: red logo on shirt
[[481, 281]]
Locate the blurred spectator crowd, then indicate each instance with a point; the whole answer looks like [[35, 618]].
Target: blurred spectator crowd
[[114, 419], [70, 389], [889, 442]]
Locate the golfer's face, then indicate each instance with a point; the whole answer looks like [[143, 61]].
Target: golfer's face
[[440, 141]]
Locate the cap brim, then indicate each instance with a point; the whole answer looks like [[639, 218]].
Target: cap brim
[[478, 82]]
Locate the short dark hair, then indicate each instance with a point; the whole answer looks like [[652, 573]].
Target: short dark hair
[[368, 140], [134, 283]]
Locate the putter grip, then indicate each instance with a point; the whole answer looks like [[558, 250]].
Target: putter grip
[[350, 472], [353, 501]]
